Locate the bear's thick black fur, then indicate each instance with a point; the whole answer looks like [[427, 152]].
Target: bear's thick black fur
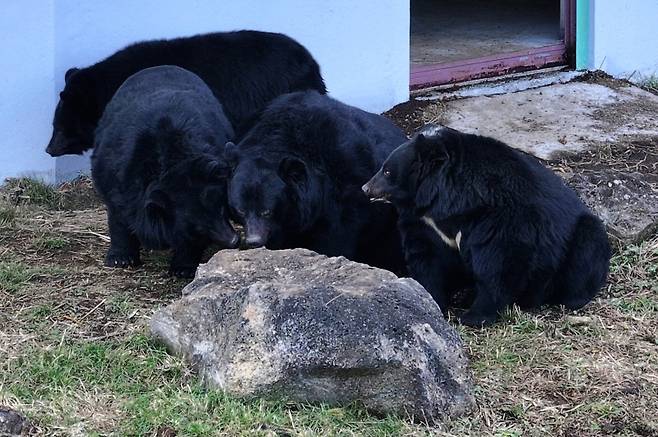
[[157, 164], [475, 211], [244, 69], [297, 180]]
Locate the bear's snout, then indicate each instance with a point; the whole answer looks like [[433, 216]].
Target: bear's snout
[[374, 190], [257, 232]]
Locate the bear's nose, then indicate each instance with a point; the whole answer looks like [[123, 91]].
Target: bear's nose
[[253, 241], [366, 188]]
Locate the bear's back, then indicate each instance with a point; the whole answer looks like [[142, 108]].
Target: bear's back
[[130, 130], [518, 178], [345, 141], [245, 69], [164, 91]]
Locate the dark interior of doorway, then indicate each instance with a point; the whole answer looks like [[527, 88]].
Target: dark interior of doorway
[[450, 32]]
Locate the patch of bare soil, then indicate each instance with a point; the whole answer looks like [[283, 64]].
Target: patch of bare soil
[[548, 373], [64, 253], [614, 116], [619, 182], [602, 78], [414, 114]]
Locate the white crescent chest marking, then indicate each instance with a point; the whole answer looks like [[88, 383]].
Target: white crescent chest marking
[[454, 243]]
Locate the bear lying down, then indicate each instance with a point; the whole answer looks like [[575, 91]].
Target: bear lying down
[[157, 164], [475, 212]]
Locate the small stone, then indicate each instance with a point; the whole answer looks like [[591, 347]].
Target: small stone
[[305, 327], [12, 422], [580, 320]]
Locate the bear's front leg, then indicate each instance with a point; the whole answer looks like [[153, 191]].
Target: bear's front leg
[[185, 259], [431, 262], [124, 245]]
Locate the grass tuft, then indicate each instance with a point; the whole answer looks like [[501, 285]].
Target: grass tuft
[[650, 83], [14, 275], [7, 216], [51, 243], [32, 192]]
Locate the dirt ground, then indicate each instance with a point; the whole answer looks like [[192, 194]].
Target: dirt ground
[[589, 373], [76, 359]]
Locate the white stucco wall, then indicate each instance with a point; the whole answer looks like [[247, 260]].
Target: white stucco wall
[[625, 37], [362, 48], [27, 94]]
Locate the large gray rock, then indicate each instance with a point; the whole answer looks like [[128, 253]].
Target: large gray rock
[[305, 327]]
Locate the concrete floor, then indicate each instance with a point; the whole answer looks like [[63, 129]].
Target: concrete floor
[[451, 30], [559, 118]]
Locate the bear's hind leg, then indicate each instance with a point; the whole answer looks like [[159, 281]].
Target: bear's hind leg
[[485, 308], [124, 245], [500, 277], [585, 268]]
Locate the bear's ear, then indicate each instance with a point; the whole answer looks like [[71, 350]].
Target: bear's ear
[[70, 72], [213, 169], [431, 149], [231, 153], [293, 170], [157, 202]]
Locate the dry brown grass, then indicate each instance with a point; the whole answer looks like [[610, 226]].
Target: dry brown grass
[[74, 358]]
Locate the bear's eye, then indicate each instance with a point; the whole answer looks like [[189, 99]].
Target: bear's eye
[[266, 213], [387, 173]]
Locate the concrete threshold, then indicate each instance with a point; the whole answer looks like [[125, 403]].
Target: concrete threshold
[[506, 84]]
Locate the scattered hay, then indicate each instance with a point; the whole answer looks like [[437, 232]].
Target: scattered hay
[[75, 359]]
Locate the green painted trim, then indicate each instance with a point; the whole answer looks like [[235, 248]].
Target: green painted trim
[[582, 34]]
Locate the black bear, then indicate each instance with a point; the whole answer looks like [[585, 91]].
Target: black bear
[[297, 177], [158, 166], [244, 69], [474, 210]]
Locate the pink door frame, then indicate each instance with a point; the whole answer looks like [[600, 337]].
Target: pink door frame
[[458, 71]]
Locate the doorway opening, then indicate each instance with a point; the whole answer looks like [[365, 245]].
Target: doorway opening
[[454, 41]]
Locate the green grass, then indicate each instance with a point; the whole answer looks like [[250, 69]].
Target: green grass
[[153, 390], [15, 275], [650, 83], [7, 216], [33, 192], [122, 305], [637, 305], [75, 359], [51, 243]]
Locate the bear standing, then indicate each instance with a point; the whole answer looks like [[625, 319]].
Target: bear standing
[[157, 164], [297, 177], [244, 69], [474, 210]]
